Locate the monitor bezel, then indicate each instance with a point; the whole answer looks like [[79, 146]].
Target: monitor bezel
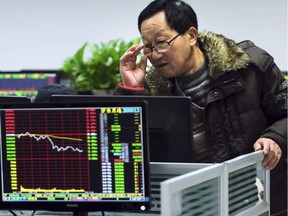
[[80, 206], [5, 99]]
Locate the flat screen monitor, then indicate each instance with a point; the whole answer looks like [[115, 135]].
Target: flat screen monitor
[[74, 157], [169, 121], [25, 83]]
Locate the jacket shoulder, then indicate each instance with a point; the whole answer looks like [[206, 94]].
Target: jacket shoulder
[[258, 56]]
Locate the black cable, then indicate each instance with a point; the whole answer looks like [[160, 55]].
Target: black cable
[[12, 212]]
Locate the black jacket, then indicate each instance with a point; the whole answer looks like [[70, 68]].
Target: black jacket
[[247, 100]]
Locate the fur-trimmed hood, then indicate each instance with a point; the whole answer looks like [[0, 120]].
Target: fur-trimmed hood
[[222, 54]]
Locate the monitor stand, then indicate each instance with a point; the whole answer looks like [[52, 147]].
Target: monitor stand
[[80, 213]]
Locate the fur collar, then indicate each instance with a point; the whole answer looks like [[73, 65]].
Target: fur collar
[[223, 56]]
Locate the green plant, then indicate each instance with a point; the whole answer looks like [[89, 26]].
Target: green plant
[[96, 66]]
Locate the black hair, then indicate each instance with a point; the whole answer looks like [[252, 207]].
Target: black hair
[[179, 15], [44, 93]]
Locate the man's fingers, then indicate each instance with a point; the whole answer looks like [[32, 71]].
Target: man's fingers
[[257, 146]]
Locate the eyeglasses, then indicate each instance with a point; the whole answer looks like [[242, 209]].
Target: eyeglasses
[[160, 47]]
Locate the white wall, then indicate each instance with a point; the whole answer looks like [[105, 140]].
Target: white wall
[[41, 34]]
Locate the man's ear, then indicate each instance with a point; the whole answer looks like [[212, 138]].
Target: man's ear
[[193, 36]]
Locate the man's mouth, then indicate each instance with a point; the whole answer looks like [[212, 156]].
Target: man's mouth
[[162, 65]]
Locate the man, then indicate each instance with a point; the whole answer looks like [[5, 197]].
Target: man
[[237, 91]]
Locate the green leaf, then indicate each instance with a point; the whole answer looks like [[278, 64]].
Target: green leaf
[[101, 69]]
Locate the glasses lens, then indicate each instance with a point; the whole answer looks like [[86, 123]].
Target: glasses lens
[[161, 47]]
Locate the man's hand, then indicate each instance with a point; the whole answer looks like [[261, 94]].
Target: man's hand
[[271, 150], [131, 74]]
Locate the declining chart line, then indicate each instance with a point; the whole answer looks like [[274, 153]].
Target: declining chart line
[[38, 137]]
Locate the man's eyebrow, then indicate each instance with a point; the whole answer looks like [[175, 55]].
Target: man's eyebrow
[[157, 34]]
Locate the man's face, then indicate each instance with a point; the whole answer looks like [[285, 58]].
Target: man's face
[[178, 59]]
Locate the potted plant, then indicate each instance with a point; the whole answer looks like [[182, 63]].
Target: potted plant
[[96, 66]]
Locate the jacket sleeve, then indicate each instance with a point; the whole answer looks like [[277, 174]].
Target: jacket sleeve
[[274, 94], [121, 89], [275, 106]]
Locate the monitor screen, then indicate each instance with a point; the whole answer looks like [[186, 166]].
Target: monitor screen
[[71, 157], [25, 83], [169, 122]]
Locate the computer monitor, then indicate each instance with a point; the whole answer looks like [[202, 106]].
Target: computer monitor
[[26, 83], [169, 121], [74, 157]]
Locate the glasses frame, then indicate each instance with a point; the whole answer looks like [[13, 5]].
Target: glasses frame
[[154, 47]]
